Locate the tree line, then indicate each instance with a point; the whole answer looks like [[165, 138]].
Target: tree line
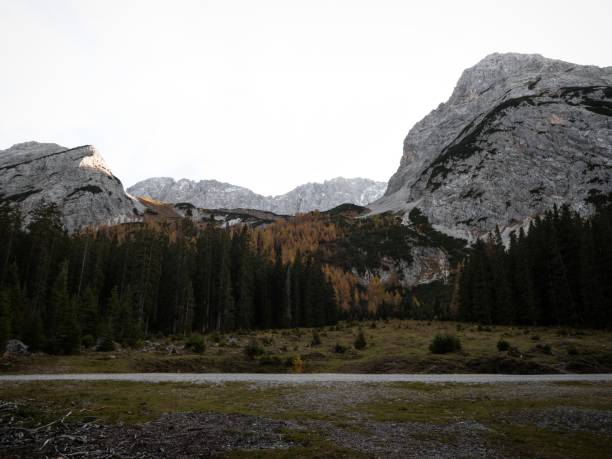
[[559, 272], [57, 289]]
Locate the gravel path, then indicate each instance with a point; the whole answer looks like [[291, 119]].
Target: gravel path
[[309, 378]]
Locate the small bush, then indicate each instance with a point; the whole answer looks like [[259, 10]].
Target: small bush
[[105, 344], [253, 349], [546, 349], [571, 350], [442, 344], [535, 338], [316, 338], [373, 325], [195, 342], [267, 340], [297, 364], [503, 345], [87, 341], [340, 349], [360, 341]]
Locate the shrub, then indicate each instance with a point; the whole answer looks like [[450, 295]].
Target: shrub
[[297, 364], [535, 338], [373, 325], [267, 340], [316, 338], [195, 342], [546, 349], [105, 344], [571, 350], [442, 344], [503, 345], [360, 341], [87, 341], [340, 349], [253, 349]]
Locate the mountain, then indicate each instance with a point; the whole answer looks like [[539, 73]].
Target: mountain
[[519, 134], [210, 194], [76, 179]]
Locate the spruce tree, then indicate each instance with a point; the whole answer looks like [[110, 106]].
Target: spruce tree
[[64, 336], [5, 319]]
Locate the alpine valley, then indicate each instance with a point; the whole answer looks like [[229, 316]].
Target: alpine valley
[[521, 136]]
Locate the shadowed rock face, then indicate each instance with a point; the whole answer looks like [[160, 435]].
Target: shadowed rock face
[[211, 194], [519, 134], [76, 179]]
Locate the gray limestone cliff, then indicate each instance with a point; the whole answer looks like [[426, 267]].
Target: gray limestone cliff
[[76, 179], [519, 134]]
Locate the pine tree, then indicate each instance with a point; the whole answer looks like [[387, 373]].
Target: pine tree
[[64, 333], [5, 319], [88, 313], [33, 331], [16, 300]]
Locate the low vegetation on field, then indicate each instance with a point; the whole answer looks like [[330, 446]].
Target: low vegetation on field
[[393, 346], [310, 420]]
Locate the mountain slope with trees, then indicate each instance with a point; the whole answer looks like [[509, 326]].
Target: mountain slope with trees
[[57, 288]]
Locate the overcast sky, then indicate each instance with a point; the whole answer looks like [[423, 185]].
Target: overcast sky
[[263, 94]]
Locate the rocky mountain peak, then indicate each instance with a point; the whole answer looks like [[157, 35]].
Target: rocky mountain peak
[[76, 179], [519, 134]]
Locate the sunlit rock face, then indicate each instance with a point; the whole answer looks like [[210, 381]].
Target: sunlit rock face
[[519, 134], [76, 179], [211, 194]]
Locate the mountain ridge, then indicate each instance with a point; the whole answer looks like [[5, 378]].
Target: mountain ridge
[[303, 198]]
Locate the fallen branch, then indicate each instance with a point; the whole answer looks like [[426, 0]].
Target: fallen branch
[[51, 423]]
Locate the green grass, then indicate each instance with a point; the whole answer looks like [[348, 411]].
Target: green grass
[[130, 402]]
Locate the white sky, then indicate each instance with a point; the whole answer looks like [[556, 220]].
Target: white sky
[[263, 94]]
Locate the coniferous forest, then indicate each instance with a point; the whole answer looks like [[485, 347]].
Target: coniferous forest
[[57, 289], [559, 272]]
